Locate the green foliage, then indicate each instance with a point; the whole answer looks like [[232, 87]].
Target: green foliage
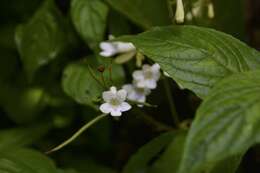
[[43, 38], [142, 11], [48, 91], [89, 18], [196, 57], [84, 82], [22, 136], [22, 160], [139, 162], [226, 124]]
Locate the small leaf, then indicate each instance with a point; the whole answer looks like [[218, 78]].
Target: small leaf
[[19, 160], [89, 18], [140, 161], [142, 11], [22, 136], [80, 80], [227, 123], [195, 57], [42, 39]]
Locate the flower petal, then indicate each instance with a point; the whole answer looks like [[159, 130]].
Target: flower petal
[[128, 87], [125, 106], [155, 67], [124, 47], [108, 95], [138, 75], [105, 108], [113, 89], [116, 113], [108, 49], [107, 53], [121, 95], [150, 84]]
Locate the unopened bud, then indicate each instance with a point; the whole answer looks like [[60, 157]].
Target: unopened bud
[[180, 14], [211, 13], [101, 69]]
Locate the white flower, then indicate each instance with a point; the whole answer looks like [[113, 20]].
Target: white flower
[[147, 77], [136, 94], [112, 48], [114, 102]]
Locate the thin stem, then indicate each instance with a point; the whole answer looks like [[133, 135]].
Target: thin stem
[[171, 102], [160, 126], [171, 13], [110, 71], [94, 76], [103, 80], [78, 133], [142, 103]]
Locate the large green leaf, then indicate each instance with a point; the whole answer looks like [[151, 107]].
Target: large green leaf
[[80, 79], [170, 159], [18, 160], [196, 57], [226, 124], [143, 12], [43, 38], [89, 18], [140, 161], [22, 136]]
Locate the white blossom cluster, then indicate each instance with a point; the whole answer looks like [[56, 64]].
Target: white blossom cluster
[[144, 81]]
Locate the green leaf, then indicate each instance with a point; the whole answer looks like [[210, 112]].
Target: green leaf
[[80, 80], [43, 38], [140, 161], [227, 123], [19, 160], [87, 165], [89, 18], [171, 157], [22, 136], [23, 105], [142, 12], [196, 57]]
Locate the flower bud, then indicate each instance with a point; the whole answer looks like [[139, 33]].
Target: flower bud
[[101, 69], [180, 14], [211, 13]]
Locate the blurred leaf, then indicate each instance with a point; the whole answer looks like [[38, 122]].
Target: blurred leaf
[[42, 39], [22, 136], [19, 160], [196, 57], [89, 18], [83, 165], [115, 20], [79, 81], [227, 123], [170, 159], [230, 21], [16, 10], [140, 161], [23, 105], [142, 12]]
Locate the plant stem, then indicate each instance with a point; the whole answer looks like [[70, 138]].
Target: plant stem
[[160, 126], [94, 77], [171, 102], [142, 103], [78, 133]]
